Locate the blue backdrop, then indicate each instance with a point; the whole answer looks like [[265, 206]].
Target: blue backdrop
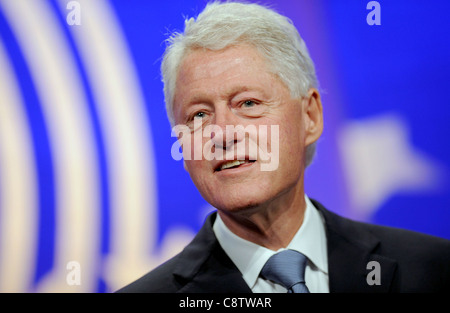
[[90, 197]]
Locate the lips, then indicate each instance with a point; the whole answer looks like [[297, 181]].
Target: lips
[[232, 164]]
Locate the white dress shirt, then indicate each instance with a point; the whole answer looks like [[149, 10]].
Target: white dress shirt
[[250, 258]]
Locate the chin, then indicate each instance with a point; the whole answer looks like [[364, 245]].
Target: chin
[[243, 203]]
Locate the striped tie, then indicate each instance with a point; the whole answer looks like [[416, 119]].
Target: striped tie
[[287, 268]]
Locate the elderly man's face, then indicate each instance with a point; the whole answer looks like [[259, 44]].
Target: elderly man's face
[[234, 87]]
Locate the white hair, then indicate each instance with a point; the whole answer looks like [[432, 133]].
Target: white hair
[[221, 25]]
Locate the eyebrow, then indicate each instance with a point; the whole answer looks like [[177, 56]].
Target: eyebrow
[[239, 89], [196, 99], [203, 98]]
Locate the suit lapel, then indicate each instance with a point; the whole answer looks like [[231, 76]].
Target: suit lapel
[[218, 274], [205, 267], [349, 268], [350, 249]]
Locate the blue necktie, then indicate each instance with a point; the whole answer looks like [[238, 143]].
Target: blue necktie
[[287, 268]]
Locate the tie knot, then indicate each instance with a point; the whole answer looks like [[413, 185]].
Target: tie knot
[[286, 268]]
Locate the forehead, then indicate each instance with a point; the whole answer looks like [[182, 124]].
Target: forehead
[[218, 72], [204, 63]]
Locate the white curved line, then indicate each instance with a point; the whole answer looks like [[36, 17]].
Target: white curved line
[[127, 139], [18, 193], [64, 107]]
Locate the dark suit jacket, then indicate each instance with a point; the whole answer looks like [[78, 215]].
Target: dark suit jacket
[[409, 261]]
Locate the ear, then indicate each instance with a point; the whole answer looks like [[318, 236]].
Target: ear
[[313, 116]]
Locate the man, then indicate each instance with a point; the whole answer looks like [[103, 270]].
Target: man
[[241, 73]]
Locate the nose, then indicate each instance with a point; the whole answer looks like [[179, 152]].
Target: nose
[[224, 132]]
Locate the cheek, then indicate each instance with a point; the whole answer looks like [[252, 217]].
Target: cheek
[[293, 136], [198, 173], [195, 168], [291, 147], [194, 146], [292, 139]]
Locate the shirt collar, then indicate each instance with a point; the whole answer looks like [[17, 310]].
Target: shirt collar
[[250, 258]]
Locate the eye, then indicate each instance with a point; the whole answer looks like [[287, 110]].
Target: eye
[[248, 103], [199, 115]]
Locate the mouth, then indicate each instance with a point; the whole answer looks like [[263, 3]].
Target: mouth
[[233, 164]]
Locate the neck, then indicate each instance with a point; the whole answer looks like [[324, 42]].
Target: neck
[[271, 225]]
